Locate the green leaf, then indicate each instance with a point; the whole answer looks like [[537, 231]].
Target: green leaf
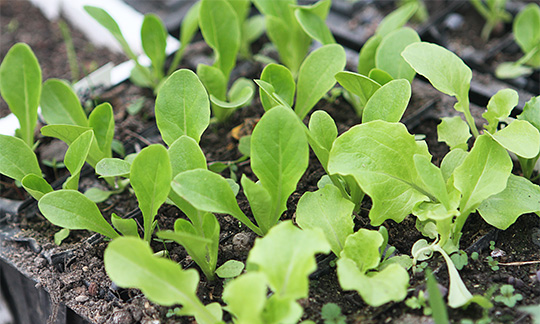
[[321, 135], [221, 31], [101, 120], [328, 210], [526, 31], [483, 173], [454, 132], [60, 104], [432, 178], [519, 197], [279, 155], [97, 195], [520, 137], [60, 236], [240, 95], [230, 269], [388, 56], [182, 107], [366, 57], [185, 154], [113, 167], [396, 19], [260, 203], [75, 157], [151, 180], [389, 102], [210, 192], [531, 112], [108, 22], [380, 157], [314, 26], [316, 76], [512, 70], [20, 86], [286, 255], [451, 161], [363, 247], [246, 297], [126, 226], [72, 210], [154, 41], [380, 76], [282, 81], [436, 302], [17, 159], [499, 107], [36, 186], [358, 84], [214, 80], [130, 262], [444, 69]]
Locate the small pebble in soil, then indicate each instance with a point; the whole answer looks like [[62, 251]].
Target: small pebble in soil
[[241, 241], [121, 316], [453, 21], [497, 253], [516, 282], [81, 298]]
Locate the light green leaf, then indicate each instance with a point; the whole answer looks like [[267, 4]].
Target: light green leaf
[[213, 80], [130, 262], [151, 180], [512, 70], [72, 210], [451, 161], [363, 247], [17, 159], [286, 255], [60, 236], [314, 26], [321, 135], [182, 107], [97, 195], [366, 57], [101, 120], [388, 102], [315, 77], [246, 297], [221, 31], [282, 310], [483, 173], [20, 86], [454, 132], [240, 95], [499, 107], [279, 155], [396, 19], [519, 197], [380, 76], [60, 104], [282, 81], [75, 157], [260, 202], [444, 69], [36, 186], [388, 56], [230, 269], [126, 226], [380, 157], [154, 41], [526, 31], [328, 210], [185, 154], [210, 192], [113, 167], [108, 22], [531, 112], [433, 179], [520, 137], [358, 84]]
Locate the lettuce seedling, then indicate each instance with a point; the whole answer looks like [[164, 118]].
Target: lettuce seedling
[[281, 261], [446, 72], [288, 33], [131, 263], [531, 113], [494, 12], [526, 29], [213, 16], [154, 42], [20, 86], [315, 79], [279, 157]]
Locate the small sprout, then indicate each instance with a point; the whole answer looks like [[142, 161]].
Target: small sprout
[[494, 264], [420, 302], [460, 259], [474, 256], [507, 296], [420, 267], [331, 313]]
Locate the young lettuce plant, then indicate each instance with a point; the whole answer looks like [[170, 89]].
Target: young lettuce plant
[[20, 86], [531, 113], [359, 253], [494, 12], [221, 28], [379, 60], [279, 157], [286, 26], [526, 29], [154, 43]]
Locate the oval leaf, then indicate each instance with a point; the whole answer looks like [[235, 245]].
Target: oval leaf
[[60, 104], [389, 102]]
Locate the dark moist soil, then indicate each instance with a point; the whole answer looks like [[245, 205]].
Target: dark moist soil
[[79, 279]]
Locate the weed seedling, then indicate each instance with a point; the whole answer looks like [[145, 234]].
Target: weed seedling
[[507, 296]]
